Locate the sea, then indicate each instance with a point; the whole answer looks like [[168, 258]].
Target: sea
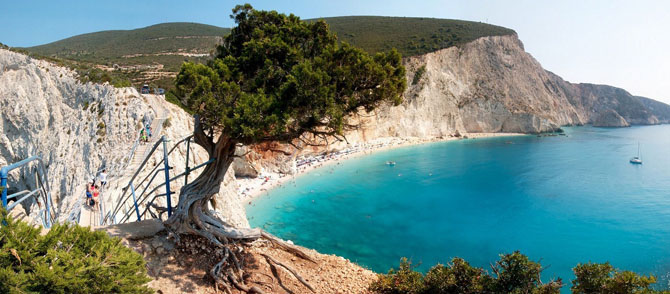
[[561, 200]]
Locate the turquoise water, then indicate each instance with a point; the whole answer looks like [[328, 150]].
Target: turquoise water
[[561, 200]]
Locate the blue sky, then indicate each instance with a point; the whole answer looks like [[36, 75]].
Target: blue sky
[[621, 43]]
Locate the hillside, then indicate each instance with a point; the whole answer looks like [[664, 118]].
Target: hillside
[[168, 44], [410, 35], [154, 54]]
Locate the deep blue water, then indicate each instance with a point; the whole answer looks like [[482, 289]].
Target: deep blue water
[[562, 200]]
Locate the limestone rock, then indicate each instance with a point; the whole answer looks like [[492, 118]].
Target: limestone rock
[[610, 118]]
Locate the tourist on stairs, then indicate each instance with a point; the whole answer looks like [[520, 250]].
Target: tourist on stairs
[[96, 200], [103, 178]]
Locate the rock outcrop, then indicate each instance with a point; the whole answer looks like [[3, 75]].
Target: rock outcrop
[[488, 85], [79, 128], [493, 85], [610, 118]]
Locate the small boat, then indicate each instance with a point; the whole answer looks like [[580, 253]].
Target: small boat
[[637, 159], [390, 163]]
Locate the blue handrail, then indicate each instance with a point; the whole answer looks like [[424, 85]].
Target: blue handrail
[[42, 188], [142, 197]]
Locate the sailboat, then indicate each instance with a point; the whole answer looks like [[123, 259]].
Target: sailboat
[[637, 159]]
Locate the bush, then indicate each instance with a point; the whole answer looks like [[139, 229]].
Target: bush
[[403, 280], [67, 259], [456, 277], [171, 97], [121, 82], [418, 74], [594, 278], [167, 123], [514, 273]]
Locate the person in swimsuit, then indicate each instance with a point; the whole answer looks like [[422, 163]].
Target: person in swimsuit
[[96, 193]]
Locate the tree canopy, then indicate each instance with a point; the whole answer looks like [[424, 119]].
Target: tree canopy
[[276, 77]]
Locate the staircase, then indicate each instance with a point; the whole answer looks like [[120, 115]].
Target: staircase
[[92, 218]]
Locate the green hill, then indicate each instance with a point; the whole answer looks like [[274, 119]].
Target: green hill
[[168, 44], [410, 35], [154, 54]]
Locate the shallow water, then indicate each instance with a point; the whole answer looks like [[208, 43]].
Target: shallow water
[[561, 200]]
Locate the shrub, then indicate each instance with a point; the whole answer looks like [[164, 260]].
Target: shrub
[[516, 273], [513, 274], [167, 123], [67, 259], [602, 278], [121, 82], [418, 74], [403, 280], [171, 97], [456, 277]]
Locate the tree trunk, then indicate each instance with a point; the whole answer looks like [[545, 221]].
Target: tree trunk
[[192, 214]]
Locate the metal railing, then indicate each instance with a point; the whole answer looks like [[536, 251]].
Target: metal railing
[[41, 194], [144, 197]]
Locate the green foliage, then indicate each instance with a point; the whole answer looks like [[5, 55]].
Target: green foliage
[[514, 273], [67, 259], [602, 278], [418, 74], [276, 77], [456, 277], [121, 82], [403, 280], [86, 104], [167, 123], [171, 97], [410, 35], [122, 46], [141, 49]]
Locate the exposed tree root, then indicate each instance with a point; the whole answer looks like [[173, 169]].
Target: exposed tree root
[[292, 271], [193, 216]]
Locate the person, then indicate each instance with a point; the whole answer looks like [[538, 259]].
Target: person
[[143, 136], [149, 131], [89, 194], [103, 178], [96, 200]]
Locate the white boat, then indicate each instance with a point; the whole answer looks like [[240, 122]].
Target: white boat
[[637, 159], [390, 163]]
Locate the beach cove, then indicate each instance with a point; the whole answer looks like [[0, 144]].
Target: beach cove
[[564, 200]]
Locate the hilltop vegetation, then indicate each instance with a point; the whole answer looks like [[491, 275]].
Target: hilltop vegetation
[[154, 54], [409, 35], [139, 46]]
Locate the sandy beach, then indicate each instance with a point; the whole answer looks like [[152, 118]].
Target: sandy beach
[[251, 188]]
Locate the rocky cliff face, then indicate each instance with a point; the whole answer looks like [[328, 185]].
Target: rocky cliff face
[[488, 85], [78, 128], [493, 85]]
